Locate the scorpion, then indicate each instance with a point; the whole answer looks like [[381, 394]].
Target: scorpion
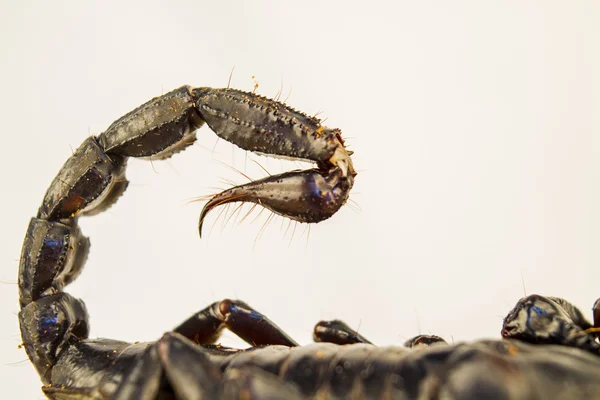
[[187, 362]]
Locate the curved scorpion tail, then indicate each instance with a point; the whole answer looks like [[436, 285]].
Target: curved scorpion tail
[[311, 195], [266, 126]]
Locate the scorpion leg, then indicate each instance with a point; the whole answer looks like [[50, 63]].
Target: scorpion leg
[[424, 341], [549, 320], [596, 311], [337, 332], [253, 327]]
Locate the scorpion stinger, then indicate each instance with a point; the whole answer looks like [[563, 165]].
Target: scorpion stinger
[[266, 126], [305, 196]]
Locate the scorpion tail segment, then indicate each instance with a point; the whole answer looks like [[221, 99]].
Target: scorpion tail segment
[[305, 196], [88, 183], [158, 129], [52, 257], [263, 125], [46, 325]]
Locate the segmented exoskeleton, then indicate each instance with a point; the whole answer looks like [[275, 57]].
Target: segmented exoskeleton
[[54, 325], [185, 363]]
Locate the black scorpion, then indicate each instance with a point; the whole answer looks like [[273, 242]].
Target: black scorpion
[[185, 363]]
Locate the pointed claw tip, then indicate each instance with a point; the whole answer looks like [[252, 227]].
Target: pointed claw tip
[[220, 199], [201, 221]]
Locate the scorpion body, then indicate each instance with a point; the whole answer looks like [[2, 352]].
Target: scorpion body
[[185, 363]]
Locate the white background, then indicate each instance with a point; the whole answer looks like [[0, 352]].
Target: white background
[[476, 131]]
